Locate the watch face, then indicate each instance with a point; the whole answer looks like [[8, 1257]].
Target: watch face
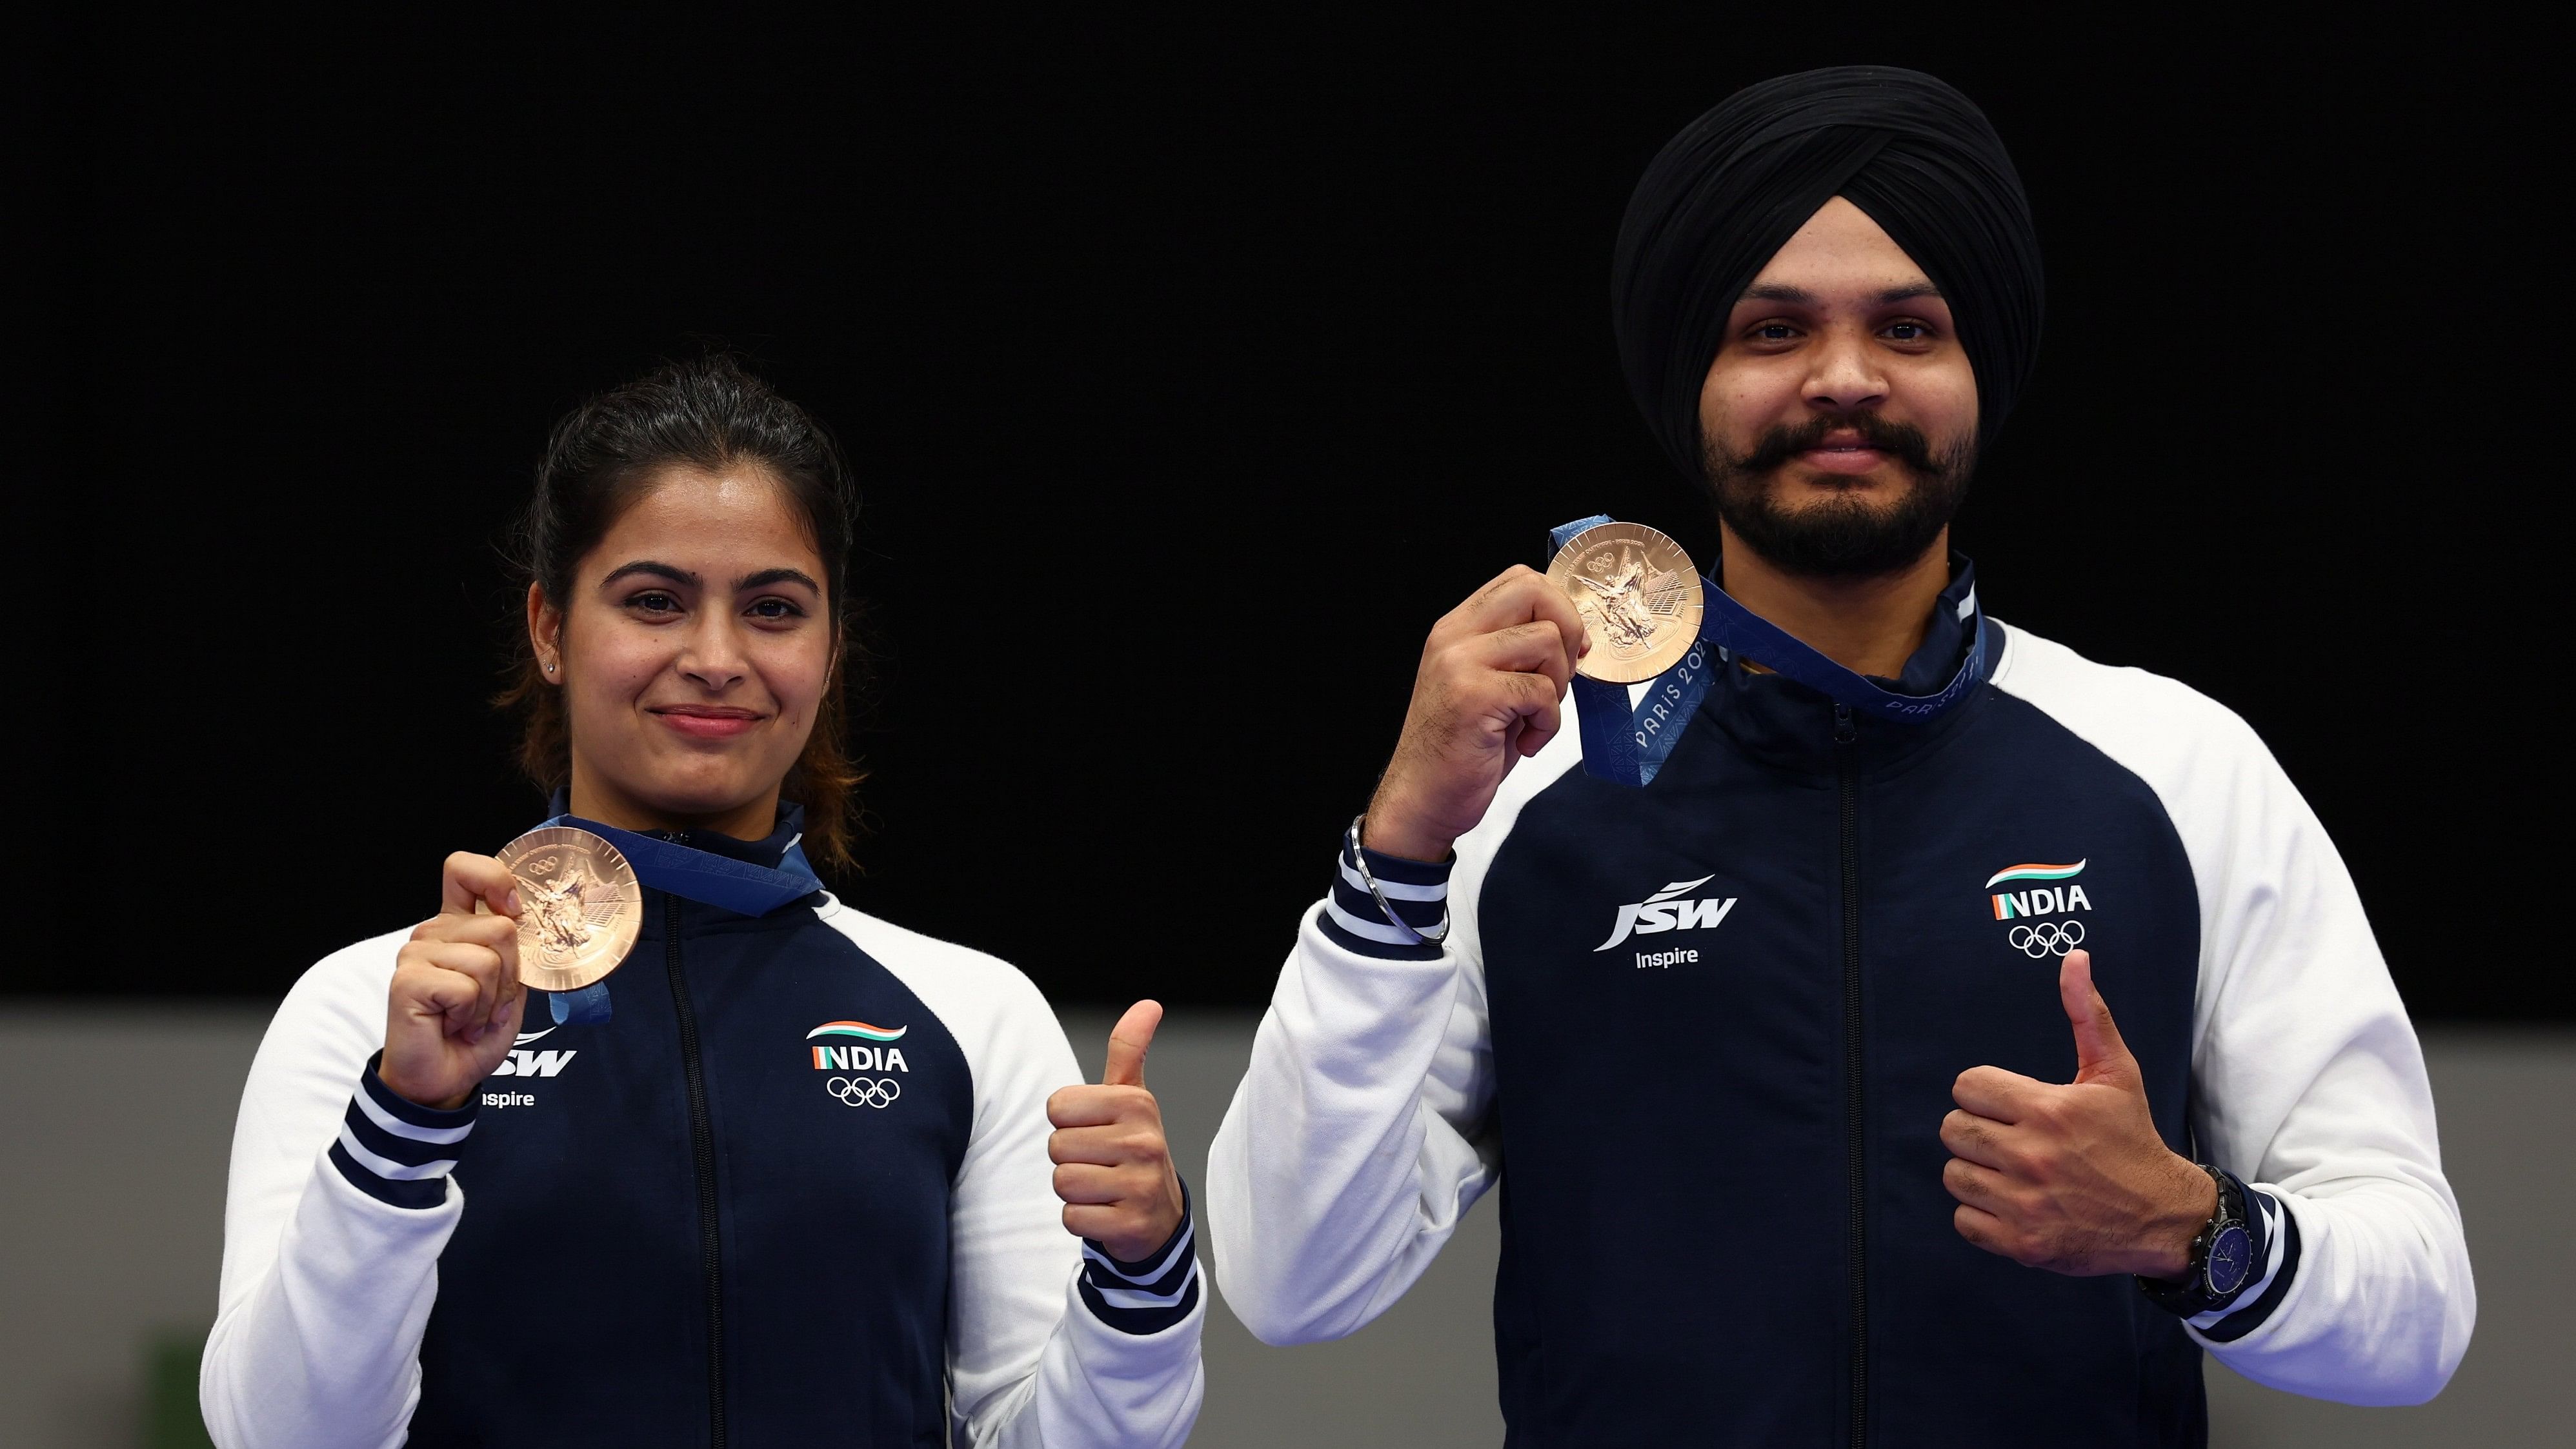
[[2231, 1259]]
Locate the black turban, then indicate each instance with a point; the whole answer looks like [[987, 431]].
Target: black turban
[[1722, 198]]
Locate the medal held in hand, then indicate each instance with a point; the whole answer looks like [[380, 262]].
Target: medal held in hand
[[1653, 620], [1642, 604], [580, 906], [1638, 596]]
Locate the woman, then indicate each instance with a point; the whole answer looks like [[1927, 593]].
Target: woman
[[785, 1176]]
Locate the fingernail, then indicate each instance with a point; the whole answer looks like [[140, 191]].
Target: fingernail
[[514, 902]]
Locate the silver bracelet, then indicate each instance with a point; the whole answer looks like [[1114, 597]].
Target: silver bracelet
[[1359, 859]]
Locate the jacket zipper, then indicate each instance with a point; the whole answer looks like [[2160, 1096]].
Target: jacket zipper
[[1856, 1243], [702, 1138]]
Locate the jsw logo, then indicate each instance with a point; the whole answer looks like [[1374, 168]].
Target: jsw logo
[[532, 1064], [1661, 912]]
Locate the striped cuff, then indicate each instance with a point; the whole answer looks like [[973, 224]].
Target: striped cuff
[[1417, 891], [2276, 1246], [395, 1151], [1145, 1297]]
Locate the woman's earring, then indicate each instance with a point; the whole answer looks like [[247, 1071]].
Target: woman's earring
[[550, 669]]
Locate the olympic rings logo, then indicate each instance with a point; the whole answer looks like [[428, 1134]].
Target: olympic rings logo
[[864, 1091], [2048, 938]]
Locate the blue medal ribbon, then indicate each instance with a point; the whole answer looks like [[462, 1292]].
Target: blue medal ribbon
[[692, 874], [1629, 742]]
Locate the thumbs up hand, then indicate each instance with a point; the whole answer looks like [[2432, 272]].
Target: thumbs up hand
[[1113, 1168], [2073, 1179]]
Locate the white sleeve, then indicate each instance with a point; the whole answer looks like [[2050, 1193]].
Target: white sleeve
[[1357, 1140], [2308, 1081], [1045, 1347], [339, 1205]]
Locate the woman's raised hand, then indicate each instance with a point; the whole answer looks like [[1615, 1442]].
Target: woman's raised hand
[[1113, 1168], [453, 1012]]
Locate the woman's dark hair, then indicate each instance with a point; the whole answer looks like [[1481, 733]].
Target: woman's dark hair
[[710, 414]]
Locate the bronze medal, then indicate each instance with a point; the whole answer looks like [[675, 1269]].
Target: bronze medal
[[1638, 596], [580, 906]]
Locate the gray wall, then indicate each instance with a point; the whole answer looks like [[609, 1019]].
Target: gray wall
[[119, 1121]]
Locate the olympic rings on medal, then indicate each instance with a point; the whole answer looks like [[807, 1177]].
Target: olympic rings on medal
[[2048, 938], [864, 1091]]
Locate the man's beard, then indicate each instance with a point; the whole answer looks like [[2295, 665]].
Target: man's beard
[[1847, 537]]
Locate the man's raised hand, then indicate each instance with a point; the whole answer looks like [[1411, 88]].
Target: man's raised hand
[[1113, 1168], [1486, 696], [2073, 1178], [453, 1010]]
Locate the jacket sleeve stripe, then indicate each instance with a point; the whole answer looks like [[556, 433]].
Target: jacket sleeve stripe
[[1162, 1268], [1139, 1298], [398, 1151], [2281, 1268], [1378, 930], [392, 1191], [375, 1142], [1416, 891], [1396, 870], [383, 1166], [2267, 1217], [372, 1099], [1139, 1320], [1393, 890], [1354, 901], [1146, 1297]]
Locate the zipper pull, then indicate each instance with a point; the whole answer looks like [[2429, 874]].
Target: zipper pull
[[1844, 730]]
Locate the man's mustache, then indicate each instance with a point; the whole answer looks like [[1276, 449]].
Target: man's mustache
[[1901, 441]]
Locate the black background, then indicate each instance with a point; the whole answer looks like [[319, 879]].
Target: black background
[[1312, 314]]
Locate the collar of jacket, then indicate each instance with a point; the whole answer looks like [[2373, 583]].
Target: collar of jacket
[[1787, 725], [767, 851]]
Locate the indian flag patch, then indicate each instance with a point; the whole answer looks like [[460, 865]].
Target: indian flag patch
[[845, 1058], [858, 1029], [2034, 872], [2037, 900]]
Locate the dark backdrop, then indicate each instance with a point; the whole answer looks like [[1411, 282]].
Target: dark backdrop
[[1310, 317]]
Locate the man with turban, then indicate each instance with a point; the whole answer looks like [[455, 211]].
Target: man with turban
[[1949, 1038]]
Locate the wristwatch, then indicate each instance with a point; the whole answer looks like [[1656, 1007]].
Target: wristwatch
[[2222, 1258]]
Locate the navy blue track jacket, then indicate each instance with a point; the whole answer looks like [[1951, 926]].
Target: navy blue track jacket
[[1702, 1036], [795, 1191]]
